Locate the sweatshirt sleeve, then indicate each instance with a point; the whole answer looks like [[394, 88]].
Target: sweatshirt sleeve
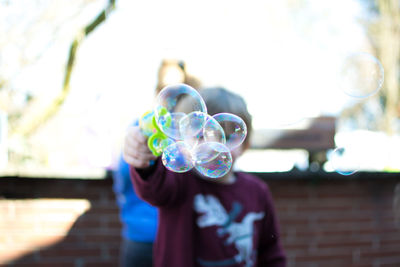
[[158, 186], [270, 251]]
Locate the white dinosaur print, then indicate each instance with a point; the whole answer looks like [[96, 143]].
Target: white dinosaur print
[[212, 213]]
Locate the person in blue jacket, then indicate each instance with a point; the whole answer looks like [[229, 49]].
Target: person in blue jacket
[[139, 221], [138, 218]]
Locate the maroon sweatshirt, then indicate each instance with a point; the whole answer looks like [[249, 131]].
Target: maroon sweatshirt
[[203, 223]]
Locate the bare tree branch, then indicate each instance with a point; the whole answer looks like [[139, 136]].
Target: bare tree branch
[[30, 127]]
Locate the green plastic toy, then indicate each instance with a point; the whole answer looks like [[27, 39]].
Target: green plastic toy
[[157, 140]]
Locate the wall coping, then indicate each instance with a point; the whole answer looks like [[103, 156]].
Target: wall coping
[[290, 175]]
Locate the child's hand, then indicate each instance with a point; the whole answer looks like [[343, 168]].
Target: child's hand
[[135, 149]]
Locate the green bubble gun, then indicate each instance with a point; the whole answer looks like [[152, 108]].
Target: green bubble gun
[[157, 140]]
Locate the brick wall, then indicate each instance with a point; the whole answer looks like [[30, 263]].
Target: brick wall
[[326, 220], [334, 221]]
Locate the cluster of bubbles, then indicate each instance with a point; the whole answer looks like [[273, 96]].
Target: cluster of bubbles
[[360, 76], [190, 137]]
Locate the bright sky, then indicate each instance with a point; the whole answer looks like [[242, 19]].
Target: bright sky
[[281, 59], [279, 55]]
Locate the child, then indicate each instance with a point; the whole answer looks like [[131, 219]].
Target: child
[[229, 221], [139, 219]]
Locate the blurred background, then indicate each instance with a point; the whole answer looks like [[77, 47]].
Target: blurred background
[[73, 75], [321, 79]]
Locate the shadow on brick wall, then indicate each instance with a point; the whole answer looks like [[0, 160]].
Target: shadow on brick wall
[[78, 217]]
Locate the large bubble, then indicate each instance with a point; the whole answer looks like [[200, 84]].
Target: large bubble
[[173, 103], [212, 159], [360, 75], [191, 127], [234, 127], [177, 157], [211, 130]]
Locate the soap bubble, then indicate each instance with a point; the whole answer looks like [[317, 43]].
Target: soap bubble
[[213, 131], [344, 161], [172, 104], [234, 127], [169, 124], [198, 127], [177, 157], [212, 159], [191, 125], [361, 75]]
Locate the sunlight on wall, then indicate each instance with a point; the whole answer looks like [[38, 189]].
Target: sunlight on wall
[[30, 224]]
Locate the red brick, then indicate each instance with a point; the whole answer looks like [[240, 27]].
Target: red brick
[[104, 263], [328, 255], [63, 252], [343, 243], [103, 238]]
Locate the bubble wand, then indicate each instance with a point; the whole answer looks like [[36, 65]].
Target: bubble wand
[[157, 140]]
